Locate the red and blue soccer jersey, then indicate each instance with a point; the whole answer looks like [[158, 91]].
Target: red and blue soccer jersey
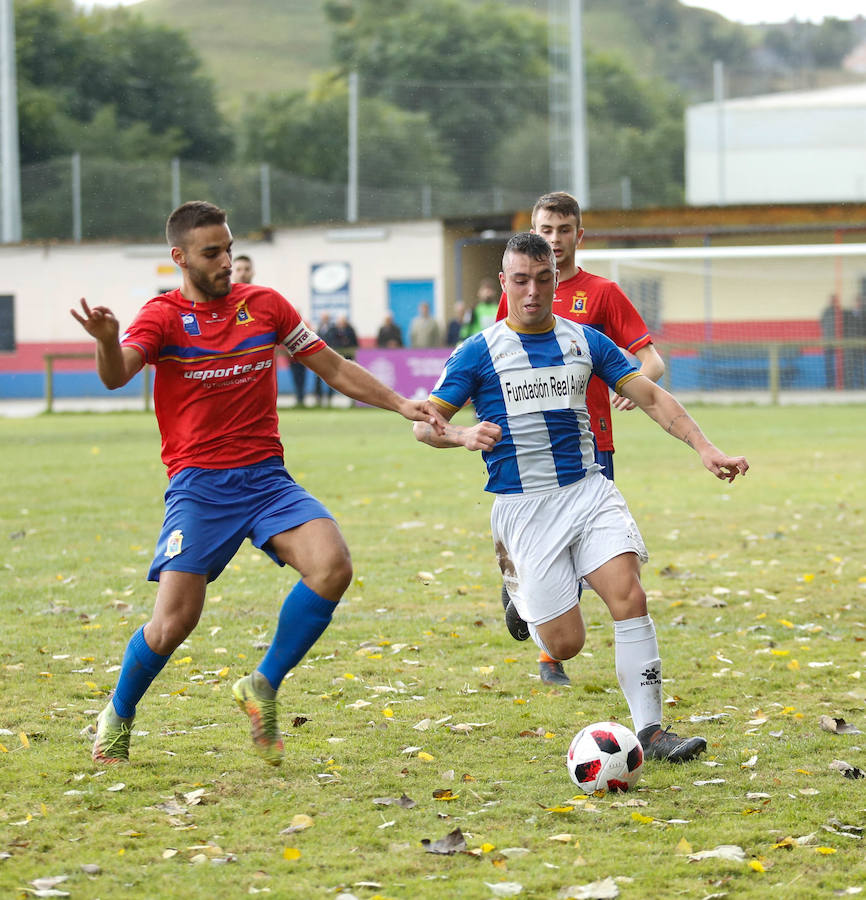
[[215, 388], [600, 303]]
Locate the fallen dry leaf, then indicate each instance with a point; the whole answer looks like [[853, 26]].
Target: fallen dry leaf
[[847, 769], [837, 726], [730, 852], [454, 842], [606, 889]]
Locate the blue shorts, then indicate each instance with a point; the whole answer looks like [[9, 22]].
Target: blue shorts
[[209, 512]]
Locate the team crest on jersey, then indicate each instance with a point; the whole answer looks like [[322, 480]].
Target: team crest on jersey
[[190, 323], [578, 302], [243, 316], [574, 349]]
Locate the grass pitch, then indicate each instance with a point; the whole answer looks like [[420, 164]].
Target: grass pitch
[[416, 714]]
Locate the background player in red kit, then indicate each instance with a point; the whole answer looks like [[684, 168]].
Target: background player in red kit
[[600, 303], [212, 343]]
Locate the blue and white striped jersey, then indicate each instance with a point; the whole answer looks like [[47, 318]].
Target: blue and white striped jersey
[[534, 387]]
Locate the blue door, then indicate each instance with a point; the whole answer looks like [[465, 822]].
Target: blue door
[[403, 300]]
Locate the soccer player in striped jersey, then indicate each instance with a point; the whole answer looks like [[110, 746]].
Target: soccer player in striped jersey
[[212, 344], [555, 518], [600, 303]]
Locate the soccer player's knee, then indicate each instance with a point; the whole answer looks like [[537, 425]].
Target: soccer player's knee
[[565, 646]]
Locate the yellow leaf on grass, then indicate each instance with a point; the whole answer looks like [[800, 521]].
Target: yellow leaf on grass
[[808, 577], [755, 866], [641, 818], [422, 754], [519, 701], [683, 846], [780, 652], [486, 848], [291, 853], [223, 672], [802, 771], [388, 713], [300, 822], [825, 851], [444, 794], [3, 749], [183, 661], [794, 666], [25, 742], [785, 623], [348, 676], [560, 809]]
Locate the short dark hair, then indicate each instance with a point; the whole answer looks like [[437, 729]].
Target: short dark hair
[[557, 202], [529, 244], [193, 214], [242, 257]]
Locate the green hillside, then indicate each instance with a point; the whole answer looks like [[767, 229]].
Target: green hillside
[[274, 45], [260, 45]]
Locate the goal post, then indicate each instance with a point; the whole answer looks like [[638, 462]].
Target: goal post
[[767, 319]]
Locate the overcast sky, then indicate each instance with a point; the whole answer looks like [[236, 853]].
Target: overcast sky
[[750, 11]]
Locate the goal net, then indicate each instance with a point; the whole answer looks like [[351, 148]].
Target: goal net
[[766, 319]]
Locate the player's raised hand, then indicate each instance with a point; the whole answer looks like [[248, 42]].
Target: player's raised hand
[[725, 468], [98, 322]]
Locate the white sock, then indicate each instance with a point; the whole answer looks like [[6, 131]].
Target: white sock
[[639, 670]]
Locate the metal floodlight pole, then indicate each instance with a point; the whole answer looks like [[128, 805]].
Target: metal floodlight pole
[[352, 186], [579, 143], [10, 170], [719, 98]]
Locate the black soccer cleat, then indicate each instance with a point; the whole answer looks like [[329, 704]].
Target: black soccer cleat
[[517, 628], [665, 744], [552, 672]]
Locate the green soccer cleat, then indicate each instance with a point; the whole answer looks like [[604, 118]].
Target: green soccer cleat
[[112, 737], [263, 719]]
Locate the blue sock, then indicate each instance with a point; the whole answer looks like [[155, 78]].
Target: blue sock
[[140, 666], [303, 618]]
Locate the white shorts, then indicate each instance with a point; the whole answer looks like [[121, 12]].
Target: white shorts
[[547, 541]]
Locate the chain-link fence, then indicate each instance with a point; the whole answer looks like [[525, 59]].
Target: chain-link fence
[[72, 199]]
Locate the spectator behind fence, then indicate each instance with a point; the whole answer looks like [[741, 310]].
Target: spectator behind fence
[[389, 334], [857, 329], [424, 329], [484, 307], [321, 389], [836, 322], [242, 269], [455, 326]]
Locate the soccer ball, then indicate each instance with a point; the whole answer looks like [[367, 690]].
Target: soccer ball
[[604, 757]]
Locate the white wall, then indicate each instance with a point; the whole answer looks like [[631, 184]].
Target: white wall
[[780, 148], [47, 280]]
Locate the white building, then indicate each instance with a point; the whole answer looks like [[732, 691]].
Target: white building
[[796, 147]]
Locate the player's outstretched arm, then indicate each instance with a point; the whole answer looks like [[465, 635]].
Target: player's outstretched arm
[[482, 436], [651, 365], [115, 364], [665, 409], [347, 377]]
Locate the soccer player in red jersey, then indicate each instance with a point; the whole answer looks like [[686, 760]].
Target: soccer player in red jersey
[[600, 303], [212, 343]]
